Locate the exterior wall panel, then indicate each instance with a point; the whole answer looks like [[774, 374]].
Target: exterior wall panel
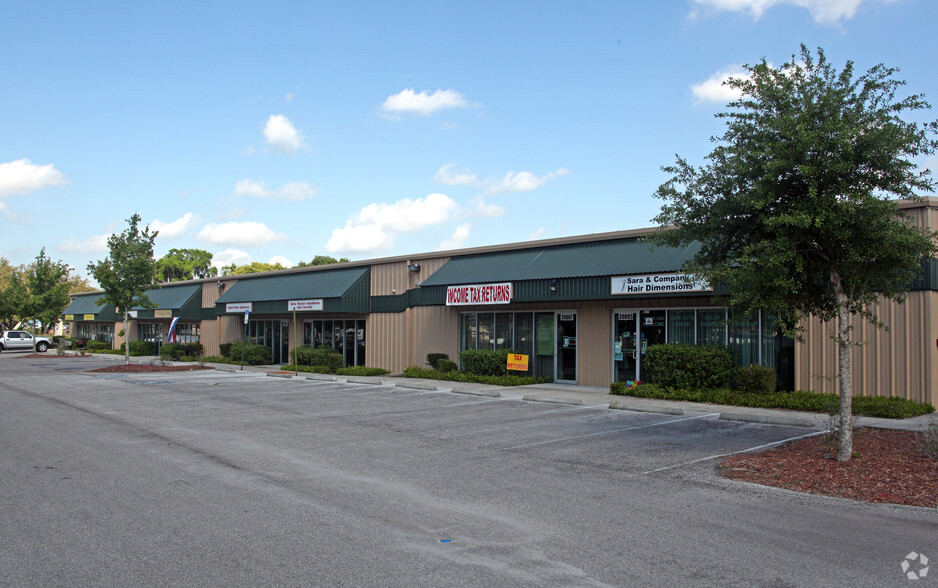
[[432, 329], [211, 291], [896, 361], [385, 341]]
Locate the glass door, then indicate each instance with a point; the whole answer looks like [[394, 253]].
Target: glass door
[[652, 332], [566, 347], [625, 347]]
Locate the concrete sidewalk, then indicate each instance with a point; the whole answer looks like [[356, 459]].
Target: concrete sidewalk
[[577, 395]]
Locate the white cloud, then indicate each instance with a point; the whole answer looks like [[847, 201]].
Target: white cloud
[[24, 177], [448, 177], [524, 181], [714, 89], [282, 135], [827, 12], [230, 256], [408, 101], [294, 191], [95, 244], [538, 234], [281, 260], [174, 228], [458, 239], [486, 210], [374, 227], [244, 234]]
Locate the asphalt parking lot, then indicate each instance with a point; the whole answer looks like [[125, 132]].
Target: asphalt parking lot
[[215, 478]]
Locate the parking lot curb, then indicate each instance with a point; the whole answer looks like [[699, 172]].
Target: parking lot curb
[[571, 401], [773, 419], [415, 386], [279, 375], [364, 381], [489, 393], [321, 378], [621, 405]]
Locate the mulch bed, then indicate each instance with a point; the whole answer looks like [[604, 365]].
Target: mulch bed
[[890, 467], [139, 368]]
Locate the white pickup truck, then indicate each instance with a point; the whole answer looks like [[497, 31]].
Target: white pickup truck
[[21, 340]]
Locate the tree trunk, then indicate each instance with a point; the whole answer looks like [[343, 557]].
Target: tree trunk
[[845, 442], [126, 340]]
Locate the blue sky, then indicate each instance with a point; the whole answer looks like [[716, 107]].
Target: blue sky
[[277, 131]]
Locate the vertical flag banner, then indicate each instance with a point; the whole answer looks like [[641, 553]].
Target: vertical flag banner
[[171, 337]]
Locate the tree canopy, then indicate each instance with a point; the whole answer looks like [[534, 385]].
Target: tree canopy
[[793, 208], [322, 260], [185, 264], [128, 271], [47, 288], [250, 268]]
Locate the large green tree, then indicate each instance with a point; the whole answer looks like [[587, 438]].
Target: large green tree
[[322, 260], [47, 290], [250, 268], [185, 264], [12, 293], [793, 208], [128, 271]]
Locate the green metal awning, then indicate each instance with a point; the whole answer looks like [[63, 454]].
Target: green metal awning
[[610, 258], [86, 308], [342, 290], [173, 301]]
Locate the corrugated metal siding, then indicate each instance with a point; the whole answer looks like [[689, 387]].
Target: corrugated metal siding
[[208, 337], [385, 341], [210, 292], [899, 361], [331, 283], [388, 279], [594, 341], [434, 329]]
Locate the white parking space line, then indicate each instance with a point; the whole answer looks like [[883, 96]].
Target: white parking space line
[[702, 416], [711, 457]]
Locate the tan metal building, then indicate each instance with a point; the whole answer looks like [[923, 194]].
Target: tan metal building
[[583, 308]]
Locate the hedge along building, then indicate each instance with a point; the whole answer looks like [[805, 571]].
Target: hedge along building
[[585, 309]]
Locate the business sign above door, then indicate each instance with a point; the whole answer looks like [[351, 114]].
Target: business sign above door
[[238, 307], [304, 305], [658, 284], [478, 294]]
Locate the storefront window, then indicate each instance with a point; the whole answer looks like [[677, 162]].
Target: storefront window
[[86, 330], [346, 337], [470, 331], [711, 326], [524, 332], [105, 333], [681, 326], [503, 339], [187, 332], [744, 340], [486, 326]]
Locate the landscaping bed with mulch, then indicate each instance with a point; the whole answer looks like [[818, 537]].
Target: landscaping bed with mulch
[[890, 466], [138, 368]]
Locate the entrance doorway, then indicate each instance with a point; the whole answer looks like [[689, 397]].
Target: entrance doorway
[[566, 348], [633, 333]]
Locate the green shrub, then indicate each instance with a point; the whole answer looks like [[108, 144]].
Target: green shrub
[[871, 406], [311, 369], [433, 360], [176, 351], [225, 349], [93, 345], [254, 353], [445, 365], [455, 376], [319, 356], [484, 362], [360, 370], [138, 348], [685, 366], [756, 379]]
